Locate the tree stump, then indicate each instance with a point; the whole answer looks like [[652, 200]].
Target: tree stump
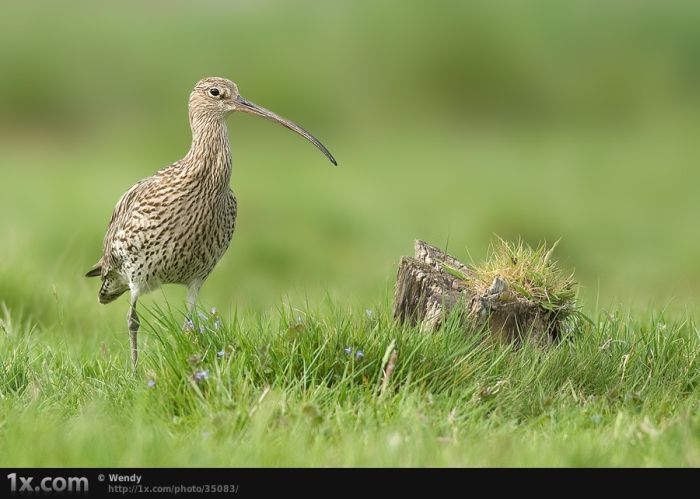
[[432, 284]]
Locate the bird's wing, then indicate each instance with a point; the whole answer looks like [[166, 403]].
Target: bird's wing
[[120, 216]]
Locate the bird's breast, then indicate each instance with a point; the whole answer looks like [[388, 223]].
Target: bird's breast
[[181, 238]]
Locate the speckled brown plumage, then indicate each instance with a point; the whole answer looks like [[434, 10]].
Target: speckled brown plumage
[[173, 227]]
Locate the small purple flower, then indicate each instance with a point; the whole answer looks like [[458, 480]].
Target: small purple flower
[[151, 383], [221, 353], [201, 375], [348, 351], [201, 330], [213, 311], [217, 323], [359, 354]]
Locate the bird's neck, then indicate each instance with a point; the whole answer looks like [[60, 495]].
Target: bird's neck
[[209, 158]]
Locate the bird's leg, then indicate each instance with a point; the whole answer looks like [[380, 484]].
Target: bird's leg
[[134, 323], [192, 293]]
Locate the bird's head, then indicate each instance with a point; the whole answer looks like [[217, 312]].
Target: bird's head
[[214, 98]]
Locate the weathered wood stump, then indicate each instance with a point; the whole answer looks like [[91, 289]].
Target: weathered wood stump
[[432, 284]]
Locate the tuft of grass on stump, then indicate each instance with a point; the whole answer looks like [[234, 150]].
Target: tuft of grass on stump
[[533, 277]]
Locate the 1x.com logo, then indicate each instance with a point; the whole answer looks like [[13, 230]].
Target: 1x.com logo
[[27, 485]]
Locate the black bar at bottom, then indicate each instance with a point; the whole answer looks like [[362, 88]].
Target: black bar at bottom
[[326, 482]]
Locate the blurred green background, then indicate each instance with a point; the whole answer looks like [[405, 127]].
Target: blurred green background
[[451, 122]]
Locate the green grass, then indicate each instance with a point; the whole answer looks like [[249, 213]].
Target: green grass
[[621, 392], [281, 390]]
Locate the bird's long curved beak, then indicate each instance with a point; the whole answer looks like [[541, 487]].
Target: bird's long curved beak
[[246, 106]]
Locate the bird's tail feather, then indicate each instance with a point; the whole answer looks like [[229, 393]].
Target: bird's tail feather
[[113, 285], [95, 271]]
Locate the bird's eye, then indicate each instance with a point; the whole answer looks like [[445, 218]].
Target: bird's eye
[[214, 91]]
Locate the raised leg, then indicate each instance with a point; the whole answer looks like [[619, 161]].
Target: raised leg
[[134, 323]]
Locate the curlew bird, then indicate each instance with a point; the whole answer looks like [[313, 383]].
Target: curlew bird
[[173, 227]]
